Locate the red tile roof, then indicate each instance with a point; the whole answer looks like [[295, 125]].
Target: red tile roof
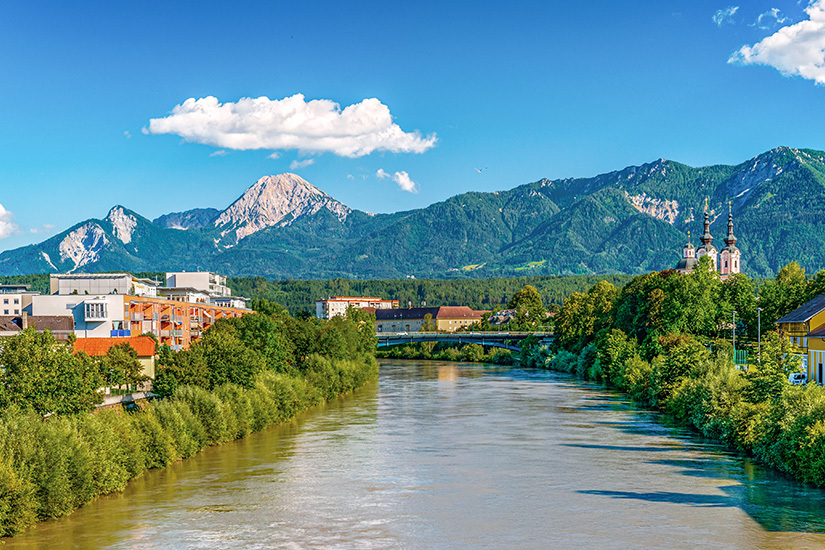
[[96, 347]]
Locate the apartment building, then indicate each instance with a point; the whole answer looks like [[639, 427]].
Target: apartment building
[[118, 305], [333, 306]]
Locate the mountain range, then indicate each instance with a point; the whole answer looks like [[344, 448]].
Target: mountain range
[[627, 221]]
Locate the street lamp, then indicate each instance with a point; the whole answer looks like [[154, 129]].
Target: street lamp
[[734, 337], [759, 334]]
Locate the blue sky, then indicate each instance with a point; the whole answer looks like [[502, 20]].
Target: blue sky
[[94, 112]]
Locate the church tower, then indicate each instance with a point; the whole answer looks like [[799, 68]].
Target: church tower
[[688, 261], [707, 248], [730, 256]]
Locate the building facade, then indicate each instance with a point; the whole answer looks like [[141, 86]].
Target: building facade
[[334, 306], [443, 319], [118, 305], [804, 328], [726, 263]]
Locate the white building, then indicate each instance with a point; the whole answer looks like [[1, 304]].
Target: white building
[[211, 283], [14, 299], [331, 307], [95, 316], [101, 283]]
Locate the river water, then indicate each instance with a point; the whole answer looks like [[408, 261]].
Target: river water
[[446, 455]]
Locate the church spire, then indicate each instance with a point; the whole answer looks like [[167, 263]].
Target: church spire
[[730, 240], [707, 238]]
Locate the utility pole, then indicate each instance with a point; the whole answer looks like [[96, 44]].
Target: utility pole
[[734, 337], [759, 334]]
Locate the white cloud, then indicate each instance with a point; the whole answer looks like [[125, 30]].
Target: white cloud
[[7, 225], [319, 125], [350, 177], [402, 178], [770, 19], [725, 16], [296, 164], [218, 153], [127, 134], [274, 156], [794, 50]]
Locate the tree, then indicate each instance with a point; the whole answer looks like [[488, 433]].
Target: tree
[[529, 307], [40, 372], [428, 325], [784, 294], [121, 363]]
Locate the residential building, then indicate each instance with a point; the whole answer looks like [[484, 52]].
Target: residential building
[[117, 305], [211, 283], [14, 299], [61, 326], [143, 345], [337, 305], [804, 327], [101, 283], [444, 319]]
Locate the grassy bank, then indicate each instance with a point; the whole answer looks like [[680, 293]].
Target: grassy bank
[[49, 467]]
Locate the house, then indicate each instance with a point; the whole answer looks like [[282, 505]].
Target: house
[[143, 345], [444, 319], [804, 327], [61, 326], [14, 299], [334, 306]]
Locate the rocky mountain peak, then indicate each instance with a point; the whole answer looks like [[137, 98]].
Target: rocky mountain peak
[[123, 223], [276, 200]]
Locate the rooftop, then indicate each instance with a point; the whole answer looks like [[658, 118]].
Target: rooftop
[[805, 312], [97, 347]]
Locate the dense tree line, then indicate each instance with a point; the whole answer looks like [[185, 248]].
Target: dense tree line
[[245, 374], [476, 293], [665, 339]]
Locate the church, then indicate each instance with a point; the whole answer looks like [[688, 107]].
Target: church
[[727, 262]]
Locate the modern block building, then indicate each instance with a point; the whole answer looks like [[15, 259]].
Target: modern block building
[[329, 308], [119, 305]]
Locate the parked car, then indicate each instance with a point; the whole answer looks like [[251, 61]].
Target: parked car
[[798, 378]]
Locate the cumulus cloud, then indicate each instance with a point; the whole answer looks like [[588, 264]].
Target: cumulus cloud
[[296, 164], [402, 178], [274, 156], [770, 19], [725, 16], [794, 50], [7, 225], [292, 123], [218, 153]]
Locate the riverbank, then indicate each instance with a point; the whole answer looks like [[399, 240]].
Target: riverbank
[[431, 351], [757, 412], [439, 455], [51, 467]]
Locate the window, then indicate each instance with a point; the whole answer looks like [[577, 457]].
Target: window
[[5, 312], [17, 312], [17, 300], [5, 300]]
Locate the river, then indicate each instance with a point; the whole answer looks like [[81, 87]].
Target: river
[[446, 455]]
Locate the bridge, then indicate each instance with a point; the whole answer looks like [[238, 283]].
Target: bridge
[[506, 340]]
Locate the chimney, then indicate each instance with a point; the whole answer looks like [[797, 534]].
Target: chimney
[[25, 320]]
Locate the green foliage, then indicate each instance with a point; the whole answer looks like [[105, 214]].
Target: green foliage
[[44, 374]]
